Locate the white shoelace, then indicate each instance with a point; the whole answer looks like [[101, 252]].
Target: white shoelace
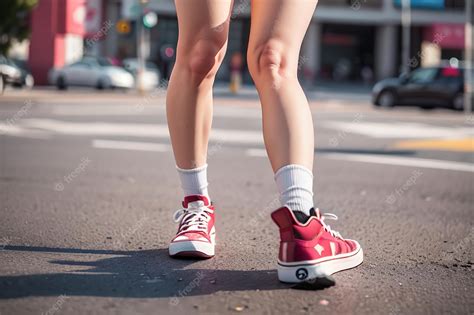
[[193, 218], [329, 216]]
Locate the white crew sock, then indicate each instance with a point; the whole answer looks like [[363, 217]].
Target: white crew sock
[[194, 181], [295, 185]]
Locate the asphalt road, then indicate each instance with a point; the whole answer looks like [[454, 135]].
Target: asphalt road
[[88, 189]]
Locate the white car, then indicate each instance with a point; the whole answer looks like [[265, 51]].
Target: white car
[[95, 72], [151, 75]]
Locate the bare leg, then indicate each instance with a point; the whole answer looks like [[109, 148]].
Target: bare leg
[[277, 31], [203, 30]]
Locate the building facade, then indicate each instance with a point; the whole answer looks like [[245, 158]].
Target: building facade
[[347, 40]]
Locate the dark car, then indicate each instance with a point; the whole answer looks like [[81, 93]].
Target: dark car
[[426, 87]]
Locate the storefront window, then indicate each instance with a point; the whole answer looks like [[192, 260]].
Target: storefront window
[[455, 4], [347, 52]]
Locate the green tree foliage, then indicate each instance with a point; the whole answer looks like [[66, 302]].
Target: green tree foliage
[[14, 21]]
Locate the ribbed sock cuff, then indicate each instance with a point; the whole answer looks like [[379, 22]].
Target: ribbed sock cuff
[[295, 185], [194, 181]]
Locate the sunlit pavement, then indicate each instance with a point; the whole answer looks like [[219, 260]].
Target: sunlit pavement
[[88, 188]]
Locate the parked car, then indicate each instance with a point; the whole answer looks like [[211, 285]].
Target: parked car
[[151, 76], [27, 79], [93, 72], [9, 73], [426, 87]]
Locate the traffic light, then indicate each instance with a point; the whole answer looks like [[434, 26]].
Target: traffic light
[[150, 19], [167, 52]]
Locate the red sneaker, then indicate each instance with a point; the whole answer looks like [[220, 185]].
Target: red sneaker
[[196, 233], [312, 250]]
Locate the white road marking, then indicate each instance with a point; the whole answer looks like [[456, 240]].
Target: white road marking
[[130, 145], [256, 152], [117, 110], [399, 130], [18, 131], [44, 128], [139, 109], [134, 130], [387, 160], [97, 128], [402, 161], [237, 112]]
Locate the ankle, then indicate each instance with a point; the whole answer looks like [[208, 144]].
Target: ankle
[[194, 181], [295, 185]]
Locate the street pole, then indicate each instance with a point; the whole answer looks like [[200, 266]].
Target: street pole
[[468, 56], [406, 32], [140, 47]]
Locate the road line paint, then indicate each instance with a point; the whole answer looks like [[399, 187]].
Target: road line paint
[[18, 131], [135, 130], [402, 161], [139, 109], [103, 111], [130, 145], [256, 152], [460, 145], [383, 159], [400, 130]]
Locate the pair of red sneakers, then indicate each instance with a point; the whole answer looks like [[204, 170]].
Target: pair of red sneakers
[[309, 249]]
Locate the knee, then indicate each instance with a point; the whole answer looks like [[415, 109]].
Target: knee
[[202, 58], [269, 61]]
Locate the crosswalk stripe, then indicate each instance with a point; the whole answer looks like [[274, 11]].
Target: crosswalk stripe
[[399, 130], [17, 131], [140, 110], [256, 152], [130, 145], [135, 130], [387, 160], [403, 161]]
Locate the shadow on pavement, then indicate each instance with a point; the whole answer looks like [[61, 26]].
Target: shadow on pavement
[[131, 274]]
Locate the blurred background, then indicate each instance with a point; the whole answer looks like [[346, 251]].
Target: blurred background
[[350, 43]]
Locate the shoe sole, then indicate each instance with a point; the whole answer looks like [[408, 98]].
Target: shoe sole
[[197, 249], [191, 249], [303, 271]]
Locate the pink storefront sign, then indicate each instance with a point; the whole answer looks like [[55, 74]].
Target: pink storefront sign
[[449, 36]]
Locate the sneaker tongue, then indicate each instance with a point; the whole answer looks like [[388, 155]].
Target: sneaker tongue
[[196, 204], [195, 201]]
